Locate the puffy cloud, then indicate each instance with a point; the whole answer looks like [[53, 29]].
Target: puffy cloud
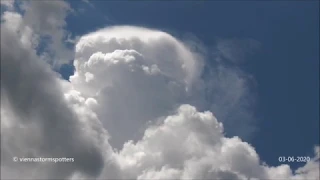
[[47, 19], [37, 120], [121, 68], [131, 91], [169, 74], [136, 75], [191, 145]]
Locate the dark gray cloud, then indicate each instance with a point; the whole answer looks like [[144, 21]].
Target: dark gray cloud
[[30, 89]]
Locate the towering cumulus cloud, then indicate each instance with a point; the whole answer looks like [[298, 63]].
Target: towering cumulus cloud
[[128, 112], [135, 75]]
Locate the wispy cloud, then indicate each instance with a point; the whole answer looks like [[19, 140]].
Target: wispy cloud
[[237, 50], [88, 2]]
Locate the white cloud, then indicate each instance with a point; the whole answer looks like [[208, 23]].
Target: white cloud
[[132, 86], [191, 145], [139, 74]]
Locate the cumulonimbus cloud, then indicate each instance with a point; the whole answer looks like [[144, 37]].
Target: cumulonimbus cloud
[[129, 112]]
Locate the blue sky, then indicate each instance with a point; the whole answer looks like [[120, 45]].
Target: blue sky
[[286, 68]]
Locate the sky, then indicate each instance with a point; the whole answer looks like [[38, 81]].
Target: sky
[[160, 89]]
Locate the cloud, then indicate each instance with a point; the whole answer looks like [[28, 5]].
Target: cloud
[[89, 3], [225, 91], [190, 145], [9, 4], [139, 74], [130, 111], [47, 20], [230, 93], [237, 50], [36, 119]]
